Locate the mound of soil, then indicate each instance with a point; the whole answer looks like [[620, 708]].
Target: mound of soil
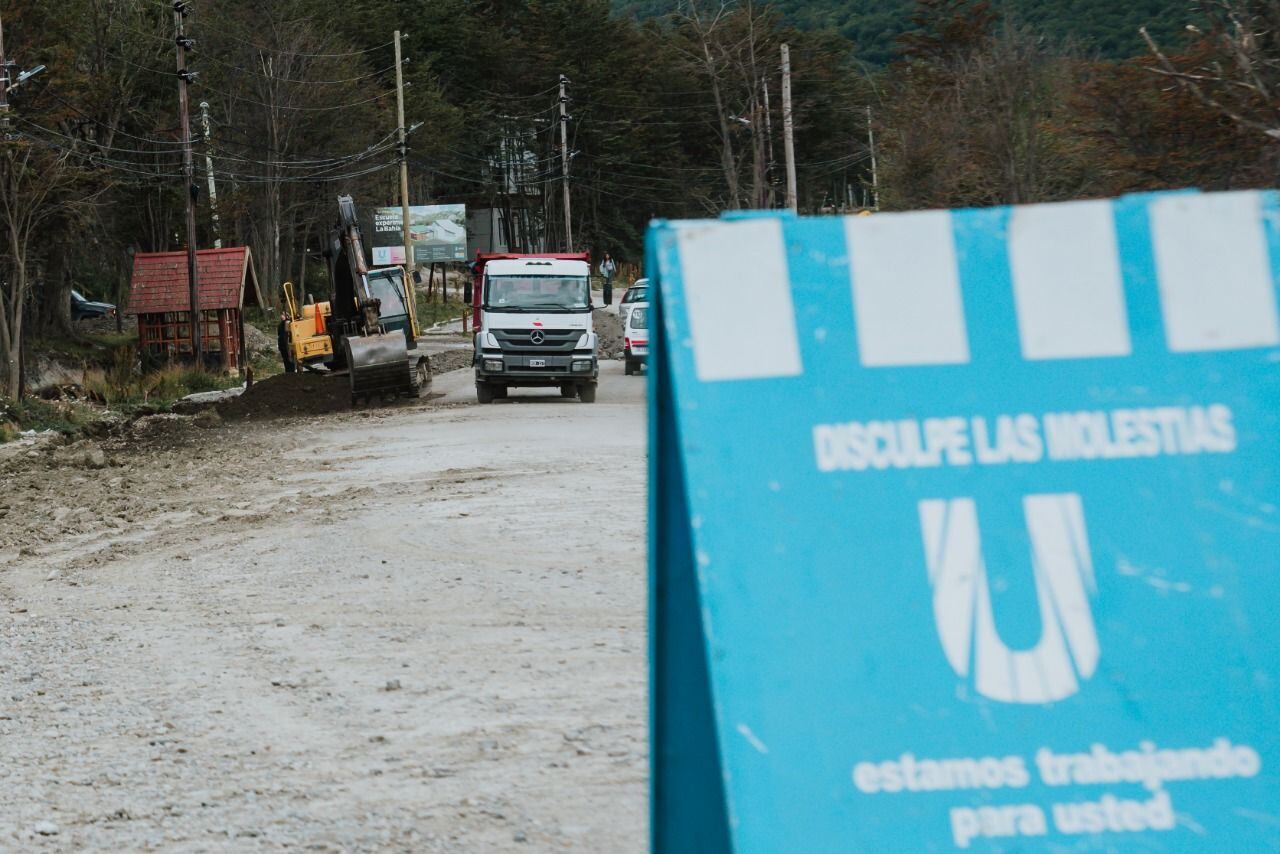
[[289, 394], [450, 360], [259, 342], [608, 327]]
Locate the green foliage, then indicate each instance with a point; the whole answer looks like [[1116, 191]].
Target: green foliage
[[123, 388], [431, 312], [34, 414]]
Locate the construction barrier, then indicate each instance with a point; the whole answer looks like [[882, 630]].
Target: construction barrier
[[965, 529]]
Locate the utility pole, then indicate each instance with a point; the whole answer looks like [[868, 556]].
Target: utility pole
[[788, 139], [875, 171], [410, 263], [768, 132], [564, 161], [185, 78], [208, 168], [4, 85]]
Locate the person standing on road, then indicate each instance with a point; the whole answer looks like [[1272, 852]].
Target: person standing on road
[[607, 269]]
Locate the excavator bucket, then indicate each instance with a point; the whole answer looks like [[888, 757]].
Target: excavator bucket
[[379, 366]]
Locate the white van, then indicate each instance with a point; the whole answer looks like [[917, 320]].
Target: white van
[[635, 338]]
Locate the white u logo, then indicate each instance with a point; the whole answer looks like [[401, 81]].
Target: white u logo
[[1068, 648]]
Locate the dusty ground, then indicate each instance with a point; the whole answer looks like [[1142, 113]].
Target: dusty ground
[[412, 628]]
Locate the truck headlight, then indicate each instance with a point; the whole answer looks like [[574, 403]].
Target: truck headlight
[[586, 342], [581, 365], [490, 341], [493, 366]]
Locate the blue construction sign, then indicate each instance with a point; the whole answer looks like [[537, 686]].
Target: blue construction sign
[[965, 529]]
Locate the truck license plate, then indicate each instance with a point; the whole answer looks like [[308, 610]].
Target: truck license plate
[[537, 363]]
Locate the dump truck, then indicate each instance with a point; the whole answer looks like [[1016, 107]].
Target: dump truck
[[368, 330], [533, 325]]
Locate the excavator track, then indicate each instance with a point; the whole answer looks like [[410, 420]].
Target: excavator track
[[379, 367]]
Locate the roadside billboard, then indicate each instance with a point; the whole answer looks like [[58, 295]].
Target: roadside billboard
[[438, 232], [965, 529]]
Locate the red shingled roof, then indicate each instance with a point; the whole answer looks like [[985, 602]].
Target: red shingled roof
[[159, 282]]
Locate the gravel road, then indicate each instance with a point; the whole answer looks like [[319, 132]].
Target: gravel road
[[411, 628]]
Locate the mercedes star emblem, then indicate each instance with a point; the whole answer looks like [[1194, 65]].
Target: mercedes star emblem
[[537, 337]]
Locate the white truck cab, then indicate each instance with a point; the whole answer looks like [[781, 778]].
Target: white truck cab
[[535, 329]]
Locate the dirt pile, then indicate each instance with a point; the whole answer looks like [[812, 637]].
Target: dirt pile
[[608, 328], [450, 360], [287, 395], [258, 342]]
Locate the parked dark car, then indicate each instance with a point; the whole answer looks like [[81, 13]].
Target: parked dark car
[[82, 308]]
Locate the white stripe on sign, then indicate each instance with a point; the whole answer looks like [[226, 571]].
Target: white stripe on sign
[[739, 300], [906, 290], [1066, 281], [1216, 287]]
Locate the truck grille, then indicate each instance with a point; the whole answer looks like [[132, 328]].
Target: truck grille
[[520, 341]]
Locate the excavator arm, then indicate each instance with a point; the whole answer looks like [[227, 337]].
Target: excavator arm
[[377, 360]]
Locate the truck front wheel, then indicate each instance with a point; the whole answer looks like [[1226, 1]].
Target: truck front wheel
[[484, 392], [587, 392]]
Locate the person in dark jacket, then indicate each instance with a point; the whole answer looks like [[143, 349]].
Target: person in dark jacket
[[282, 341], [607, 268]]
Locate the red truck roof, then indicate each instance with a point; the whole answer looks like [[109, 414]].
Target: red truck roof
[[483, 258]]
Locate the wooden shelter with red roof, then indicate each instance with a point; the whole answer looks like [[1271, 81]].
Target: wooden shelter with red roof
[[160, 297]]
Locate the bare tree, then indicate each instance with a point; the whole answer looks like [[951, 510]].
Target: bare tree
[[36, 185], [978, 122], [732, 49], [1241, 78], [705, 30], [281, 82]]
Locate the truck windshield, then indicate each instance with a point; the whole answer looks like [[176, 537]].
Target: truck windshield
[[538, 293]]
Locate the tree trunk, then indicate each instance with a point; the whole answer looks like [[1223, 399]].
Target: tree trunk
[[12, 332], [727, 160], [56, 310]]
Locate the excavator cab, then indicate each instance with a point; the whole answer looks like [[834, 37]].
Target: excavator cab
[[387, 285]]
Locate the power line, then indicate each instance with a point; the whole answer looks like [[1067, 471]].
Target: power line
[[327, 108], [310, 179], [127, 61], [98, 160], [383, 144], [234, 67], [262, 49], [112, 130], [92, 143], [500, 96]]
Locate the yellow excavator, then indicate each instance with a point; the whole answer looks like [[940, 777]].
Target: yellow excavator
[[367, 329]]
